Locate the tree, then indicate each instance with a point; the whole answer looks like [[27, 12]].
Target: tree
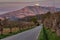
[[1, 26], [34, 20], [58, 26]]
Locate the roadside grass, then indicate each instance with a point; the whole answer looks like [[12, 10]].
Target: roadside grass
[[51, 35], [41, 35], [13, 33]]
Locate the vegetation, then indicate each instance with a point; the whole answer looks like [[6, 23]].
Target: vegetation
[[34, 20], [10, 27], [51, 29], [50, 35], [52, 21]]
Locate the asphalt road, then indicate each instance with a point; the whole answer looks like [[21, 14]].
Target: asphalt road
[[31, 34]]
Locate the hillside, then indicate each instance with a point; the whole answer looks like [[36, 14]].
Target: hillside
[[29, 11]]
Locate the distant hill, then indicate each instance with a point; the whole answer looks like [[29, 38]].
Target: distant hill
[[29, 11]]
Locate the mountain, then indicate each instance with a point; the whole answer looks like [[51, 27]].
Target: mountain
[[29, 11]]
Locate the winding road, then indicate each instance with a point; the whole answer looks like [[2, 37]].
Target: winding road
[[31, 34]]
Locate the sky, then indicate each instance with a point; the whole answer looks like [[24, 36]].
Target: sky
[[42, 2], [17, 0], [5, 6]]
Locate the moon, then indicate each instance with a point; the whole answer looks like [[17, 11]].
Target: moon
[[36, 4]]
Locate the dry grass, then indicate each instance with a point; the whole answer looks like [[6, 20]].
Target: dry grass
[[15, 29], [7, 30]]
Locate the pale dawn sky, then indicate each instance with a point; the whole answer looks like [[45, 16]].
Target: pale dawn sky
[[5, 6]]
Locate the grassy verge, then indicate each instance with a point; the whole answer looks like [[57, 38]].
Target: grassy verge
[[41, 35], [51, 35], [13, 33]]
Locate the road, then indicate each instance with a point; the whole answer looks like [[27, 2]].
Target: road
[[31, 34]]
